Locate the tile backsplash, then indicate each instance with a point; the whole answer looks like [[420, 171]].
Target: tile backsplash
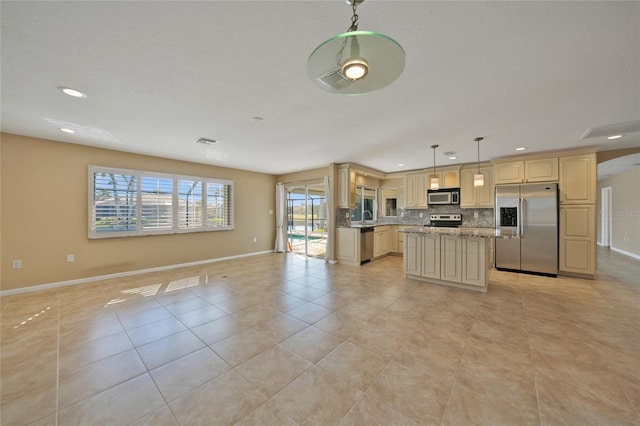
[[485, 217]]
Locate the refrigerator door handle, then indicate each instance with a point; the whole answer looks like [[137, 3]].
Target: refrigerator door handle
[[522, 204]]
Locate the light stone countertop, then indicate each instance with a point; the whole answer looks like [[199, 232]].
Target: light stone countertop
[[465, 232]]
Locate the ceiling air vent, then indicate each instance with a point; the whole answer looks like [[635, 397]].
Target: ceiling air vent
[[612, 129], [207, 141], [334, 79]]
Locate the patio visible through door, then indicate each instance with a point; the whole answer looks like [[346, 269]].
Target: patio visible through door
[[306, 220]]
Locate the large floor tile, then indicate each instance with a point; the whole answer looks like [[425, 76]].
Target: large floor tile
[[419, 395], [82, 382], [370, 412], [267, 414], [359, 365], [189, 372], [312, 343], [169, 348], [126, 402], [487, 395], [155, 331], [317, 397], [273, 369], [309, 313], [221, 401], [219, 329], [242, 346]]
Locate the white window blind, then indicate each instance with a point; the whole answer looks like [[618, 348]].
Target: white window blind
[[130, 202]]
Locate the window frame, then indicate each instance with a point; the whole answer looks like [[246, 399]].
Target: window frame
[[175, 200]]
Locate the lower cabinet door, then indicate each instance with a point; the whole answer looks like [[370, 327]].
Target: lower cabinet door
[[474, 261], [451, 258], [431, 256], [412, 258]]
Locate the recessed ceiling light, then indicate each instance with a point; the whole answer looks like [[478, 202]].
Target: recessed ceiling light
[[257, 119], [453, 157], [522, 148], [401, 165], [72, 92], [64, 129], [614, 137]]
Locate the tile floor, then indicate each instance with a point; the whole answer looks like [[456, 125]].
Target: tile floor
[[279, 340]]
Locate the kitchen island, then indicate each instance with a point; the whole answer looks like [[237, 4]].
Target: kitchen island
[[456, 257]]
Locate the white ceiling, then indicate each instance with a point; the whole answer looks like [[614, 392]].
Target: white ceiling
[[159, 75]]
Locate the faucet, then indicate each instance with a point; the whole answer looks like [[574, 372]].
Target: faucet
[[370, 215]]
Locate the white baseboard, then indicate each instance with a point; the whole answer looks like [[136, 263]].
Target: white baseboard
[[123, 274], [626, 253]]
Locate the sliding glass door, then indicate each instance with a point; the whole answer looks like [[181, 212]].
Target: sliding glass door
[[306, 220]]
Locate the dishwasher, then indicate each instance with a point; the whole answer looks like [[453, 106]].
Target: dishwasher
[[366, 244]]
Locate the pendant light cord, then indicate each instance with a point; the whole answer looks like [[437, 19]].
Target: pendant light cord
[[354, 17]]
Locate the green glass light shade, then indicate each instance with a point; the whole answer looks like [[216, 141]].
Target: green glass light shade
[[382, 56]]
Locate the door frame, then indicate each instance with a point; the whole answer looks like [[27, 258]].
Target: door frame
[[605, 217]]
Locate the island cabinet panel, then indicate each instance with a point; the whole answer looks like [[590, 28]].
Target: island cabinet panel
[[450, 258], [412, 259], [474, 261], [431, 256]]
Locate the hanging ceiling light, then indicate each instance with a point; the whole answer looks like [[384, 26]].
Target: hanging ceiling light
[[356, 62], [434, 182], [478, 178]]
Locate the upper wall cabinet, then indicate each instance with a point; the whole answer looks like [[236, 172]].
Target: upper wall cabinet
[[471, 196], [526, 171], [541, 170], [346, 187], [415, 190], [578, 179], [449, 178]]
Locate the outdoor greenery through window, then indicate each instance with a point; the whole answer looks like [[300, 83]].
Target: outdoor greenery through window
[[133, 202]]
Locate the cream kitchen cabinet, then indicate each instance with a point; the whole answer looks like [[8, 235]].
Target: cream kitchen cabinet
[[578, 179], [475, 261], [578, 239], [459, 261], [526, 171], [430, 256], [541, 170], [471, 196], [451, 258], [415, 187], [381, 241], [346, 187], [412, 258], [449, 178], [348, 246]]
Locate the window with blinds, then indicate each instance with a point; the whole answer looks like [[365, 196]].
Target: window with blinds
[[132, 202]]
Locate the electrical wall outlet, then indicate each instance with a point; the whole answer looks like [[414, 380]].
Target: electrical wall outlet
[[255, 240], [71, 258], [421, 215], [476, 215], [16, 264], [270, 211]]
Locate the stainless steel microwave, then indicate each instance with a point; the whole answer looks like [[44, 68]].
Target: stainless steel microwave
[[446, 196]]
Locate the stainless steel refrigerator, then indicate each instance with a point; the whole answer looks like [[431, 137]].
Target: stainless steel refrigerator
[[532, 211]]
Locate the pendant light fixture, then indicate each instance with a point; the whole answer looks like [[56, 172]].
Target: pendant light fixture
[[434, 182], [356, 62], [478, 178]]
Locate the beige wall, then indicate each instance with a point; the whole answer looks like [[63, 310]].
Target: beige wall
[[44, 215], [301, 177], [625, 206]]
